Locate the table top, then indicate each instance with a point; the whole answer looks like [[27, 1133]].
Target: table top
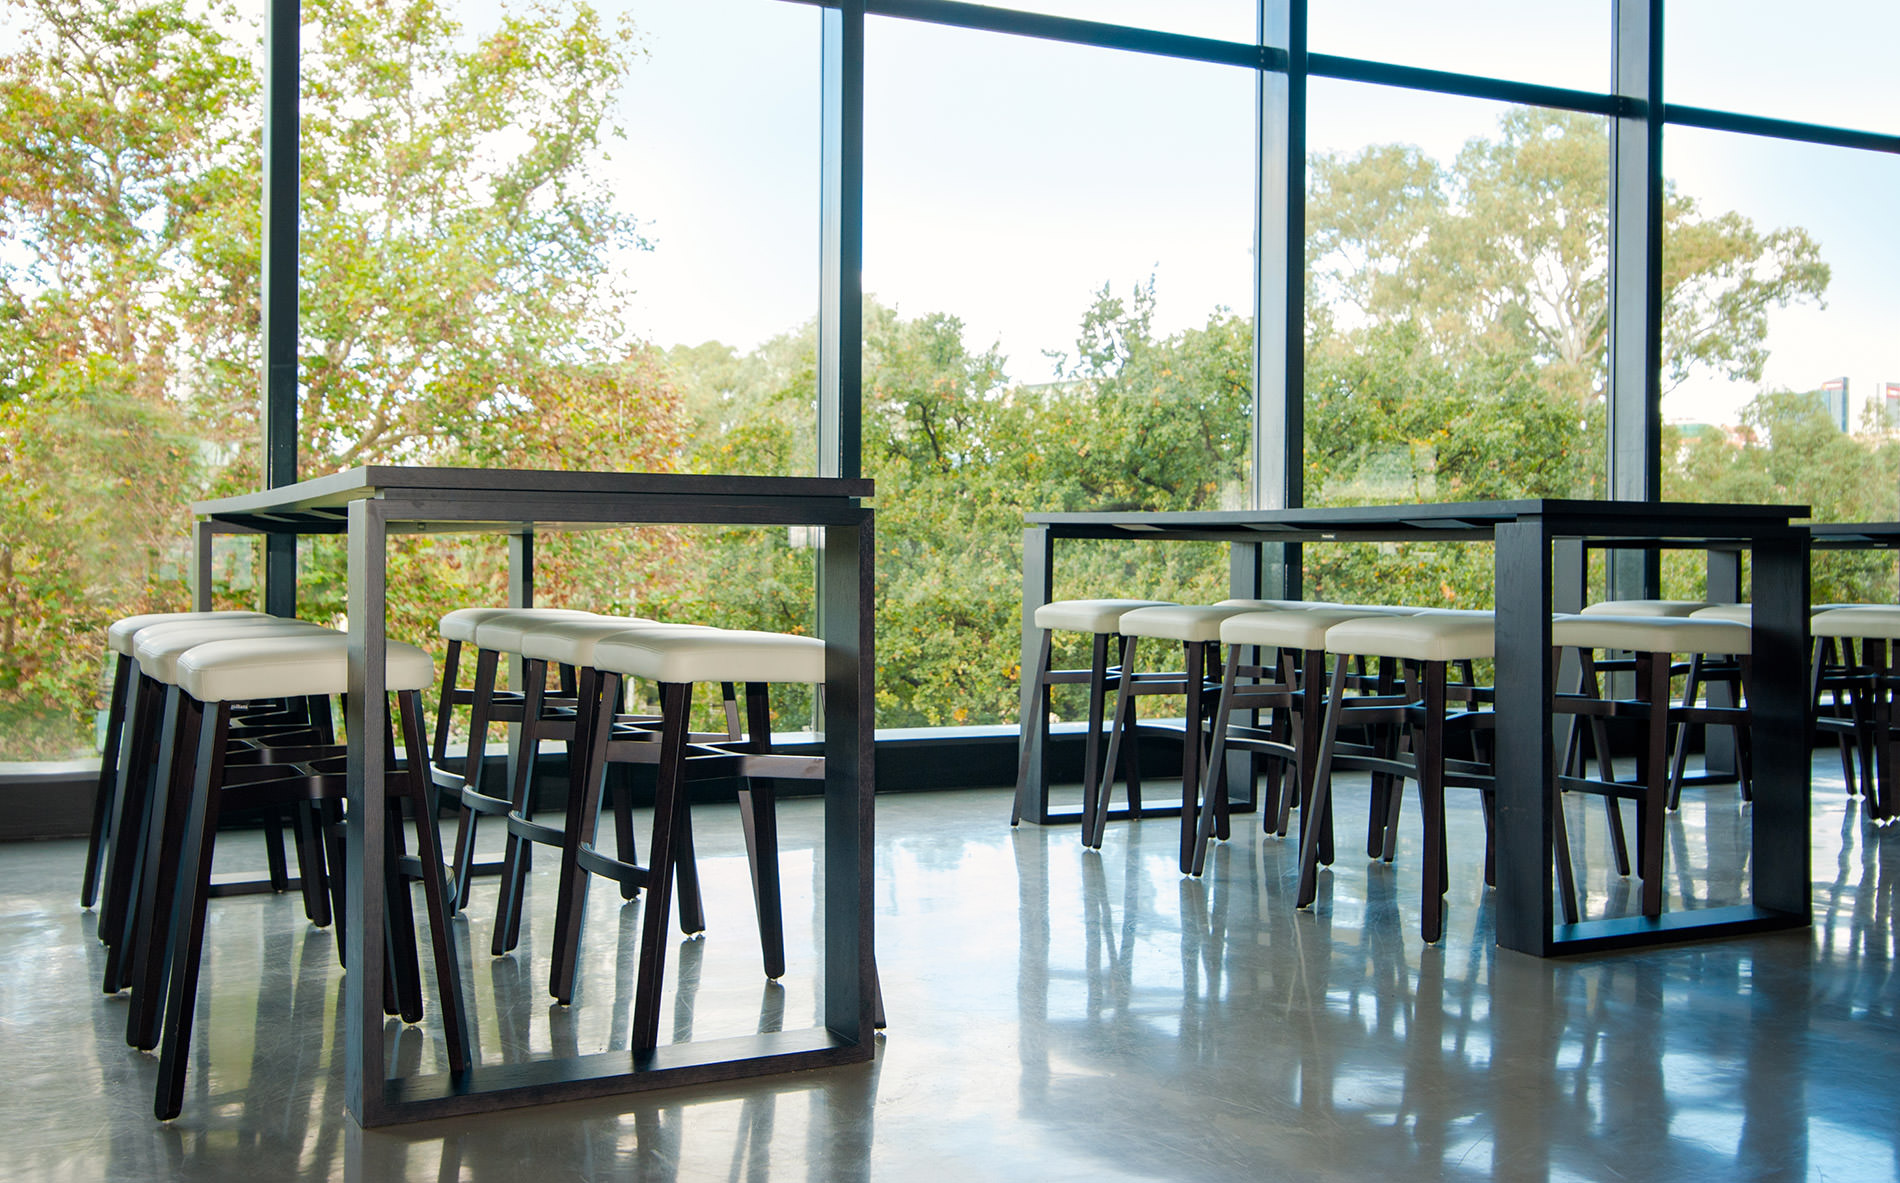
[[1451, 521], [485, 499]]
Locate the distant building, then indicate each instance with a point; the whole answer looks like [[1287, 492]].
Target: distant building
[[1833, 394], [1888, 406]]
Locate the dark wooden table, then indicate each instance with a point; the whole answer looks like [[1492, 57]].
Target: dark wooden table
[[1531, 540], [371, 504]]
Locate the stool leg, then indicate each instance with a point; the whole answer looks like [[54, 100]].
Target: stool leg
[[102, 800], [675, 703], [1216, 758], [146, 940], [1193, 657], [442, 936], [445, 704], [484, 696], [1092, 742], [1313, 815], [758, 816], [1095, 794], [518, 855], [583, 815], [187, 929], [1679, 758], [128, 827]]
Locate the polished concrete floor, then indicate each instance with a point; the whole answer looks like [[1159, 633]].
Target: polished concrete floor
[[1054, 1014]]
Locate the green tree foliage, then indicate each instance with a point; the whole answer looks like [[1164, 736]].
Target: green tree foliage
[[455, 303]]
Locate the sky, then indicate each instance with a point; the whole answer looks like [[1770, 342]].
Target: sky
[[1007, 180]]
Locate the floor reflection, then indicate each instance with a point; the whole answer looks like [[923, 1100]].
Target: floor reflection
[[1055, 1014]]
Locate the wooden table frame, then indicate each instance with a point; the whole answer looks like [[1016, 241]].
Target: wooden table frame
[[370, 504], [1538, 548]]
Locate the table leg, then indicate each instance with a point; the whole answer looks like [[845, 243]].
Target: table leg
[[1525, 753], [365, 711], [850, 777], [1032, 788]]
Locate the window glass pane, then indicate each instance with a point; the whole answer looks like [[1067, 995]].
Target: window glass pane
[[1782, 383], [1058, 277], [1229, 20], [1555, 44], [1830, 61], [127, 265], [1457, 260]]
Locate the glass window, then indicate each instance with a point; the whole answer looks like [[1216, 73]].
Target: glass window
[[1829, 62], [1456, 285], [1058, 274], [1554, 44], [1781, 380]]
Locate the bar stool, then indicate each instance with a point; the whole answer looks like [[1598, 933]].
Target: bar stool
[[676, 658], [142, 762], [1654, 641], [119, 639], [1874, 674], [467, 626], [1101, 620], [1426, 644], [568, 645], [212, 677], [1297, 638], [1197, 629]]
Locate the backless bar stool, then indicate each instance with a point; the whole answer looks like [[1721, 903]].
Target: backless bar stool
[[569, 645], [1427, 643], [1197, 630], [164, 798], [1100, 619], [1876, 674], [1295, 640], [215, 675], [1654, 641], [676, 658], [141, 765], [119, 639], [467, 626]]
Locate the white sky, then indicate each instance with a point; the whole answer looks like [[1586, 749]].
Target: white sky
[[1007, 179]]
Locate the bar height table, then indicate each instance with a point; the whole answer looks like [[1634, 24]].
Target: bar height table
[[1531, 538], [369, 505]]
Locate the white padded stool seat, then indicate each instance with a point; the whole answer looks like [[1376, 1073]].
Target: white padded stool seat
[[1733, 613], [1670, 608], [460, 625], [1276, 605], [571, 642], [159, 648], [1431, 637], [246, 668], [690, 653], [1089, 616], [503, 631], [1286, 630], [1179, 622], [1387, 609], [1651, 634], [121, 636], [1876, 621]]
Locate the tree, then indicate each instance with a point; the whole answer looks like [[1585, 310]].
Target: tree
[[458, 232]]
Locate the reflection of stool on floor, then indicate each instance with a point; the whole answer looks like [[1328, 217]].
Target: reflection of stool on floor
[[1101, 619]]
